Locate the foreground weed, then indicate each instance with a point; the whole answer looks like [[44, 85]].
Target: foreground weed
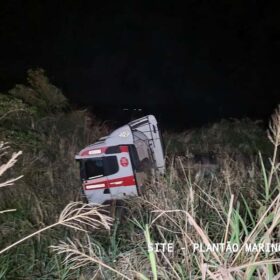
[[78, 255], [75, 215], [151, 253]]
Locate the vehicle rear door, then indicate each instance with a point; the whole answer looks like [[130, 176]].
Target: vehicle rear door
[[122, 183]]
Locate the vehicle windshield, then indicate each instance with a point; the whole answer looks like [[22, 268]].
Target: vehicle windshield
[[93, 168]]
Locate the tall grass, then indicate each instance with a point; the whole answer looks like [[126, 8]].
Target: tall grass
[[181, 209], [49, 137], [234, 200], [78, 216]]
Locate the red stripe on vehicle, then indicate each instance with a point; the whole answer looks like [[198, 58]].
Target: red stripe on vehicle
[[124, 149], [128, 181]]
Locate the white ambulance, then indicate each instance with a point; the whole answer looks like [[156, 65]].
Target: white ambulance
[[115, 167]]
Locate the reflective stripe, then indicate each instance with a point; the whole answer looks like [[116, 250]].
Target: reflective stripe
[[116, 183], [95, 186], [128, 181]]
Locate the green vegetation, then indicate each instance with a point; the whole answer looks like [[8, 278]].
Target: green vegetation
[[37, 120], [235, 199]]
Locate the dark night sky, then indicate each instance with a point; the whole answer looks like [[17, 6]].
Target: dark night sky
[[190, 64]]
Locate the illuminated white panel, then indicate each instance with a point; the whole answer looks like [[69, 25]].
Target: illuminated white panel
[[95, 186], [94, 152]]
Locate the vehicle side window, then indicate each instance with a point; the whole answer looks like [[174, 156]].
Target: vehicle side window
[[111, 165], [94, 168], [98, 167]]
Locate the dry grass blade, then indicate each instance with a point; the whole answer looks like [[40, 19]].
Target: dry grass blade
[[274, 137], [77, 256], [229, 216], [75, 215], [78, 215], [10, 163], [8, 210], [197, 228], [4, 167], [265, 262], [10, 182], [274, 128]]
